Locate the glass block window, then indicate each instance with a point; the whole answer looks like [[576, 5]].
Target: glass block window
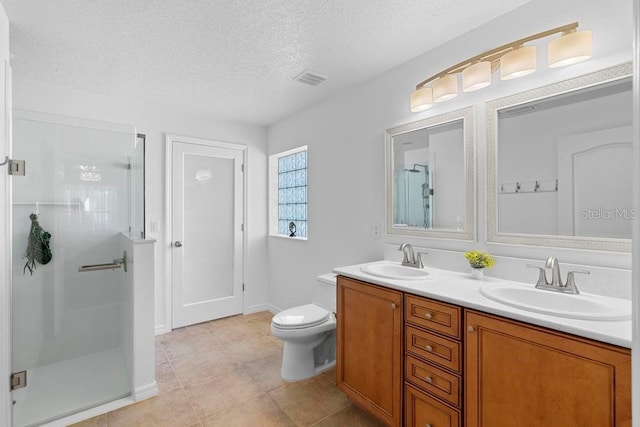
[[289, 171]]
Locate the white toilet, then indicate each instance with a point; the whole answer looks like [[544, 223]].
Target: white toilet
[[309, 333]]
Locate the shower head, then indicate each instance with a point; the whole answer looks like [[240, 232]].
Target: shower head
[[415, 170]]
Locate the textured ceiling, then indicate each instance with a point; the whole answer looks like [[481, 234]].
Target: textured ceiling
[[229, 59]]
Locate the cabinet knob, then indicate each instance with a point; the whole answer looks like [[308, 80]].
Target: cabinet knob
[[393, 305], [429, 380], [427, 425], [470, 329], [428, 316], [428, 348]]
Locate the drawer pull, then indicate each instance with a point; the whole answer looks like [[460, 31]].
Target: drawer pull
[[429, 380], [428, 348], [427, 425], [470, 329], [428, 316]]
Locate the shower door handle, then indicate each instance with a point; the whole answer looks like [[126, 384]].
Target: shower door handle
[[116, 264], [98, 267], [178, 244]]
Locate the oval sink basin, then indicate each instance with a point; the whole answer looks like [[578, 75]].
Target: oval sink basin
[[581, 306], [396, 272]]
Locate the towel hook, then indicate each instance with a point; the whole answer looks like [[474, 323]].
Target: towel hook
[[6, 160]]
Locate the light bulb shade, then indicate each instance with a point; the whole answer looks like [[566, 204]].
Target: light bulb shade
[[476, 76], [519, 62], [445, 88], [421, 99], [569, 49]]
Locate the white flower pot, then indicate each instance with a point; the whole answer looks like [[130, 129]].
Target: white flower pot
[[477, 273]]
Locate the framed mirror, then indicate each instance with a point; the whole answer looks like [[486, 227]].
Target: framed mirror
[[560, 162], [430, 177]]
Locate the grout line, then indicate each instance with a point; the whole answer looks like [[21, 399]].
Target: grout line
[[252, 324]]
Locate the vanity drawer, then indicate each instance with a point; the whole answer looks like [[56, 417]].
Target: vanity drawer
[[433, 380], [436, 316], [422, 410], [435, 349]]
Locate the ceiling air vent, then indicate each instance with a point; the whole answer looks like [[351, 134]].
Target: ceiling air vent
[[310, 77]]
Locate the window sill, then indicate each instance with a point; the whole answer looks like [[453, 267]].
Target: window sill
[[277, 236]]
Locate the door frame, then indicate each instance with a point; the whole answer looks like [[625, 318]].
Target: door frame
[[170, 139], [6, 345]]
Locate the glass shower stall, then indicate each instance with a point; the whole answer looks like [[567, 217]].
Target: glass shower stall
[[72, 313], [413, 197]]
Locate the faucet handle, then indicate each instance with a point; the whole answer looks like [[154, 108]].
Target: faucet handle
[[419, 260], [542, 277], [571, 281]]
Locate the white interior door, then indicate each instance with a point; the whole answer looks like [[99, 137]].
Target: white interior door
[[207, 210], [594, 189]]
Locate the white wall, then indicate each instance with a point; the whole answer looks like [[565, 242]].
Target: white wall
[[345, 135], [154, 122]]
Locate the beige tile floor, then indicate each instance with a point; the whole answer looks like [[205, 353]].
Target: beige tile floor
[[227, 373]]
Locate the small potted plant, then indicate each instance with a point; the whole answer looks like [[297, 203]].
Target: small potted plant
[[479, 261]]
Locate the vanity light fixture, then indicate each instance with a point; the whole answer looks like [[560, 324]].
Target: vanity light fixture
[[445, 87], [513, 59], [519, 62], [476, 76], [421, 99]]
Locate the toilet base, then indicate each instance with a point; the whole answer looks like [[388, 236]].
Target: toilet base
[[303, 361]]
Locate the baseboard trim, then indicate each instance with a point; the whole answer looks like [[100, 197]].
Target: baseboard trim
[[272, 308], [161, 329], [257, 308], [145, 391]]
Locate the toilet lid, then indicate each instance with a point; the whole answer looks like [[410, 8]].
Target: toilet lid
[[303, 316]]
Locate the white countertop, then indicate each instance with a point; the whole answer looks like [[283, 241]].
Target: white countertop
[[460, 289]]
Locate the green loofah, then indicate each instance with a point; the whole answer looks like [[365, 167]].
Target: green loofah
[[38, 246]]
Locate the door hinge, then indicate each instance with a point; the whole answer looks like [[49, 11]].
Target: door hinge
[[18, 380], [243, 287], [15, 167], [241, 227], [242, 167]]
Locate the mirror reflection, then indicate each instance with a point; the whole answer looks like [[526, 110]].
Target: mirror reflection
[[565, 163], [430, 177], [428, 172]]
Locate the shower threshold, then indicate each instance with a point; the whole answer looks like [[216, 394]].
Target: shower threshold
[[60, 389]]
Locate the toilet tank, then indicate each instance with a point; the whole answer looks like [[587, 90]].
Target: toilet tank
[[324, 294]]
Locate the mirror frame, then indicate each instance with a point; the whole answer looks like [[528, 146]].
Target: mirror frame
[[558, 241], [469, 231]]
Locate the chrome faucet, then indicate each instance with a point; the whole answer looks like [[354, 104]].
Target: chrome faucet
[[554, 265], [409, 259], [556, 279]]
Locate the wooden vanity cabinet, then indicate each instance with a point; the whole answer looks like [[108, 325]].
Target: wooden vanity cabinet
[[522, 375], [433, 363], [369, 348], [413, 361]]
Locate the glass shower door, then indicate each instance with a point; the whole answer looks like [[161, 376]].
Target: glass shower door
[[71, 325]]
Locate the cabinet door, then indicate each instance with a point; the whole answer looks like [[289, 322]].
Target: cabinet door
[[369, 356], [521, 375]]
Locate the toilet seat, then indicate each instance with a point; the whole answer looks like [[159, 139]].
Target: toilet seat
[[304, 316]]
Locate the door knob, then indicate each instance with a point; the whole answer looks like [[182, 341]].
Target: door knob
[[178, 244]]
